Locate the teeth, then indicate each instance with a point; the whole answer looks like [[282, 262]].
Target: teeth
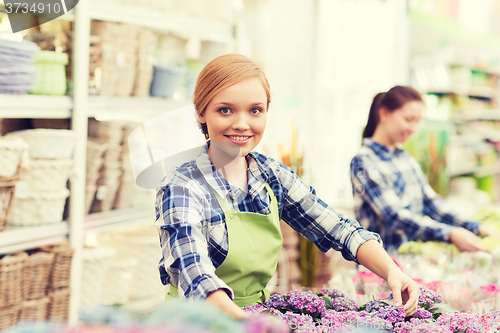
[[239, 138]]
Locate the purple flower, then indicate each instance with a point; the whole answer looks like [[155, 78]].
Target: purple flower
[[298, 321], [255, 308], [298, 302], [422, 314], [427, 297], [331, 292], [420, 326], [339, 302], [392, 314]]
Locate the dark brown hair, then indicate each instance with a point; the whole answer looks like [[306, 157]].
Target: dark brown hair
[[392, 100]]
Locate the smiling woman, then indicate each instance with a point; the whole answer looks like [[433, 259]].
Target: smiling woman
[[219, 215]]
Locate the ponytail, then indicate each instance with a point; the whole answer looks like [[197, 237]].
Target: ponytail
[[373, 116], [392, 100]]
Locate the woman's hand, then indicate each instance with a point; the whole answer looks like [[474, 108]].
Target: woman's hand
[[485, 230], [404, 290], [220, 299], [466, 240]]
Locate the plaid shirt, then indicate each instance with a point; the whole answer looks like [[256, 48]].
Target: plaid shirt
[[393, 198], [192, 229]]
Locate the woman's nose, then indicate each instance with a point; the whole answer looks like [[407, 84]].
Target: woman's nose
[[240, 122]]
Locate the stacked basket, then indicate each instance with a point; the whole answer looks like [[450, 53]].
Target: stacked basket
[[110, 134], [144, 72], [96, 262], [127, 184], [95, 154], [44, 180], [11, 152], [119, 56]]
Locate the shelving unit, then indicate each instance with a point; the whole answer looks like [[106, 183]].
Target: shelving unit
[[79, 107]]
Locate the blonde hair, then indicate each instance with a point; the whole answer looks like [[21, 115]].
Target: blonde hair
[[221, 73]]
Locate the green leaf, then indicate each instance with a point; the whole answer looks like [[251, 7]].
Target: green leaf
[[441, 308], [328, 302]]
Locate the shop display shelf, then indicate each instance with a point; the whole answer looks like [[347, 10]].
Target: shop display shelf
[[131, 108], [118, 219], [486, 115], [35, 106], [161, 20], [24, 238]]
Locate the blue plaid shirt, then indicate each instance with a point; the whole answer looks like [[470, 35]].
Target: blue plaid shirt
[[394, 199], [192, 229]]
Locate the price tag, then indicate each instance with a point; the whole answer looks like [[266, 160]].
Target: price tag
[[102, 192], [21, 189]]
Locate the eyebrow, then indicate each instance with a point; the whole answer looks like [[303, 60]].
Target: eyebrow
[[231, 104]]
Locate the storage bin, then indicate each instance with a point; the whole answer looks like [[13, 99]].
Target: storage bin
[[51, 73], [7, 189], [18, 75], [24, 50], [166, 80], [96, 262], [34, 310], [36, 275], [106, 132], [15, 89], [59, 304], [61, 265], [48, 143], [38, 208], [11, 276], [47, 175]]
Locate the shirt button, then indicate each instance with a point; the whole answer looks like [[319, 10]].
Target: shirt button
[[231, 216]]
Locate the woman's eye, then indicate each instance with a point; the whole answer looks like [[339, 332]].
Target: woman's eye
[[255, 111], [224, 111]]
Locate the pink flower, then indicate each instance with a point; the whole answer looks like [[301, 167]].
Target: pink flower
[[490, 289]]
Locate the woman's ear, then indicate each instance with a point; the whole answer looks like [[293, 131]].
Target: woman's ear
[[201, 118], [382, 113]]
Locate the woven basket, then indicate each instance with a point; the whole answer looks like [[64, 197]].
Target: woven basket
[[36, 275], [11, 152], [107, 132], [11, 277], [8, 316], [116, 287], [96, 262], [34, 310], [59, 304], [38, 208], [51, 73], [7, 188], [89, 197], [48, 143], [47, 175], [61, 265]]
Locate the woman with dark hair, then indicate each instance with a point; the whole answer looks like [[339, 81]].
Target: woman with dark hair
[[391, 193]]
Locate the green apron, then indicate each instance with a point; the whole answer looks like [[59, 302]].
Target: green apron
[[254, 246]]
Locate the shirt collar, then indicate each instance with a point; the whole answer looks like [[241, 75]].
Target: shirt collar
[[383, 151], [257, 176]]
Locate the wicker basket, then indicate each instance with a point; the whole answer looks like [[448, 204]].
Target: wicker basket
[[11, 277], [38, 208], [7, 188], [48, 143], [96, 262], [59, 304], [61, 265], [116, 287], [36, 275], [11, 152], [107, 132], [34, 310], [47, 175], [8, 316]]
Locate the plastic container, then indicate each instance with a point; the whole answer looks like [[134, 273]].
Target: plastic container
[[166, 80], [51, 73]]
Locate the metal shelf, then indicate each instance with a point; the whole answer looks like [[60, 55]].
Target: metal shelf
[[24, 238], [118, 219], [159, 19], [35, 106], [486, 115]]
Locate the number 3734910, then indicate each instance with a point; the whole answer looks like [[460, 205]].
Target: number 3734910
[[35, 8]]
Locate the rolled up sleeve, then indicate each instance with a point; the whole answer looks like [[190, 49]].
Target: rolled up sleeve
[[186, 263]]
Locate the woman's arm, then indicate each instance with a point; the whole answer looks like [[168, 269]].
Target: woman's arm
[[373, 256], [221, 300]]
